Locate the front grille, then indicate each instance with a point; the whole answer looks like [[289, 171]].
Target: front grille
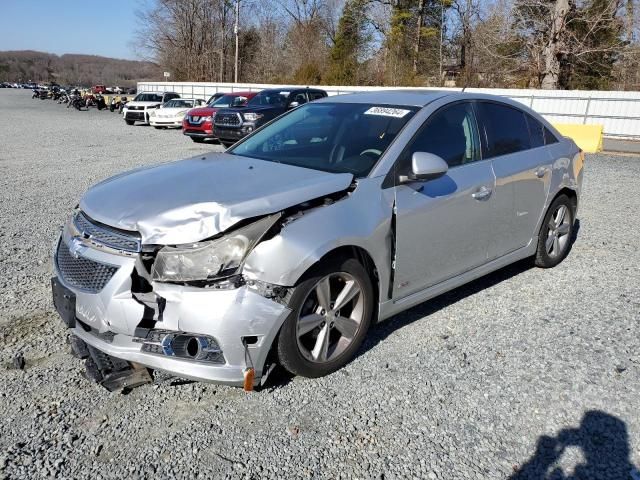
[[135, 107], [135, 115], [227, 119], [104, 235], [82, 273], [195, 119]]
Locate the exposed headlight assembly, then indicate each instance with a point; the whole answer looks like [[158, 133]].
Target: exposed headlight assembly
[[211, 259]]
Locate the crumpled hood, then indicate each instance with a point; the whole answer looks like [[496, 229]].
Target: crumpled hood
[[190, 200]]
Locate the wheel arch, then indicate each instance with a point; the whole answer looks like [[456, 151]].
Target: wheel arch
[[358, 253], [573, 197]]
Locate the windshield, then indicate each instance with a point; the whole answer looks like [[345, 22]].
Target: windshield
[[178, 103], [270, 97], [229, 101], [148, 97], [333, 137]]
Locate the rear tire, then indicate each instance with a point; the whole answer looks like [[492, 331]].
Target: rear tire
[[331, 312], [556, 233]]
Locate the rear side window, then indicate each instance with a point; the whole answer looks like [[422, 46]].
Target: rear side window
[[505, 129], [549, 137], [536, 132]]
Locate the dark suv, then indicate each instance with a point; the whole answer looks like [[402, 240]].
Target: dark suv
[[232, 124]]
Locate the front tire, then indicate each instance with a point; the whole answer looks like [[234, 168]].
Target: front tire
[[556, 233], [129, 122], [197, 140], [331, 312]]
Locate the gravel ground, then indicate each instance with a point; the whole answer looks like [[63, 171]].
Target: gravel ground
[[523, 372]]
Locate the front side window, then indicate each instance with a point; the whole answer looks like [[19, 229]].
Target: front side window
[[270, 97], [299, 97], [505, 129], [449, 133], [333, 137], [227, 101]]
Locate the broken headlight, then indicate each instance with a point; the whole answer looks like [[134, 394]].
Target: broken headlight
[[211, 259]]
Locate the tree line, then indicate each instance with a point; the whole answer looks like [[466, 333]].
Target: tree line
[[71, 69], [555, 44]]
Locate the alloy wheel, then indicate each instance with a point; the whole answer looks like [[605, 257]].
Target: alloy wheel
[[330, 317], [558, 234]]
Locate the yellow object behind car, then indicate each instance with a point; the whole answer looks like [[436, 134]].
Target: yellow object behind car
[[587, 137]]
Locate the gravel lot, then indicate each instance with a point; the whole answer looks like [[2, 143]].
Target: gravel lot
[[523, 372]]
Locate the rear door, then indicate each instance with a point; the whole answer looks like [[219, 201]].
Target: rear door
[[443, 226], [514, 141]]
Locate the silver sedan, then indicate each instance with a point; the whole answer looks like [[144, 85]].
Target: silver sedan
[[287, 247]]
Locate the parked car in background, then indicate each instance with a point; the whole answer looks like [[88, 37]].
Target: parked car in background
[[139, 109], [171, 114], [214, 97], [198, 123], [286, 248], [98, 89], [232, 124]]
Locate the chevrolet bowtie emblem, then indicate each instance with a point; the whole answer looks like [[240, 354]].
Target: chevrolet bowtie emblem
[[76, 247]]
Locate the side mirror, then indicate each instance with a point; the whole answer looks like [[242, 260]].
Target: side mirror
[[294, 104], [425, 166]]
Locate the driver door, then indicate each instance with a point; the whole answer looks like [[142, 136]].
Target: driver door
[[443, 226]]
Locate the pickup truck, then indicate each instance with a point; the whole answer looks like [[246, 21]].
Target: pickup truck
[[198, 123], [232, 124]]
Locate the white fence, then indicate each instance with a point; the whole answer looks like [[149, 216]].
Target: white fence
[[618, 112]]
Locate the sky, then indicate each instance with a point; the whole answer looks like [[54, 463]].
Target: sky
[[70, 26]]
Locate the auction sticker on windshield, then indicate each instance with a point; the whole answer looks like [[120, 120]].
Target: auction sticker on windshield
[[387, 112]]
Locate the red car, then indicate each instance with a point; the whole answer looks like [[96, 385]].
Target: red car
[[197, 123], [99, 89]]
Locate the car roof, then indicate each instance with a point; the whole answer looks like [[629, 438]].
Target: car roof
[[242, 94], [414, 98], [291, 89]]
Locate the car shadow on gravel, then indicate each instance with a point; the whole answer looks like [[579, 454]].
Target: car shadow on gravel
[[382, 330], [604, 444]]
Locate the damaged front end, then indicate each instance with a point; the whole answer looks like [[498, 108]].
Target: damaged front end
[[183, 309]]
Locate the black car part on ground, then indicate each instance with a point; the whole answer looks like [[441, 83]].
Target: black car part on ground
[[112, 373]]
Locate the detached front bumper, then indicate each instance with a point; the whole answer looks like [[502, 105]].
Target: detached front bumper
[[242, 321]]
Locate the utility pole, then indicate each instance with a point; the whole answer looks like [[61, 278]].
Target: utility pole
[[236, 31], [441, 36]]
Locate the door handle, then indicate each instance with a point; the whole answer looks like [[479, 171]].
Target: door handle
[[540, 172], [482, 193]]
